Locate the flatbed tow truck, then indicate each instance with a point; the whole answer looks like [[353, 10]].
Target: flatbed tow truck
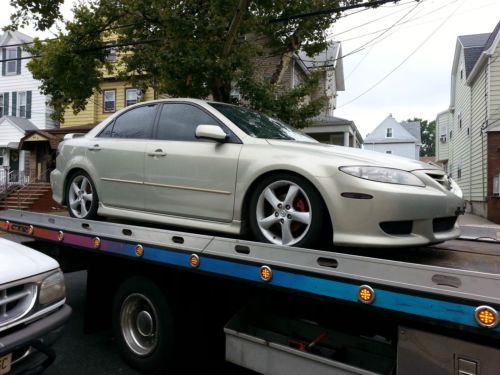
[[177, 297]]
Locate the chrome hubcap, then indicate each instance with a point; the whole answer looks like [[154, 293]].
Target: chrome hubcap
[[284, 213], [139, 324], [80, 196]]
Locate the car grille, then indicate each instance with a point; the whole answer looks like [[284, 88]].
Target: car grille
[[441, 179], [15, 302]]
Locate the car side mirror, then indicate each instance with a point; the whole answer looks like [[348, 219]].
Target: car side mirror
[[214, 132]]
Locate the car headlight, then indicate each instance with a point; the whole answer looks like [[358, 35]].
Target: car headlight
[[52, 288], [455, 189], [381, 174]]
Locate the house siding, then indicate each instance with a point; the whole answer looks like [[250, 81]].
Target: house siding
[[478, 142], [40, 111], [442, 129], [93, 112], [494, 86]]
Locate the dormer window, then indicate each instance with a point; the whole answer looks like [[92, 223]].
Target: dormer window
[[388, 133]]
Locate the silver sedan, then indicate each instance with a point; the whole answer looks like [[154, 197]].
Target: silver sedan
[[213, 166]]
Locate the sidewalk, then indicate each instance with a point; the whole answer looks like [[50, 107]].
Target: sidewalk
[[475, 220], [477, 227]]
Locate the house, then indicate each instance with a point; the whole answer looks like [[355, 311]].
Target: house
[[392, 137], [335, 131], [113, 95], [468, 132], [22, 107]]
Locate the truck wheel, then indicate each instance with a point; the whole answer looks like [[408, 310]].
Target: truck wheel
[[143, 325]]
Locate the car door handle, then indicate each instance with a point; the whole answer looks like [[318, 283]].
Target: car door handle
[[158, 152], [95, 148]]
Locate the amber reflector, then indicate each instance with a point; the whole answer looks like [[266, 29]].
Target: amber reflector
[[486, 316], [266, 274], [366, 294], [60, 235], [139, 250], [31, 229], [96, 242], [194, 261]]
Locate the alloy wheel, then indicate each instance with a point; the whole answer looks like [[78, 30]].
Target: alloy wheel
[[81, 196], [284, 213]]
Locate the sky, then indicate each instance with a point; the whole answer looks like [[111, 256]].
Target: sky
[[398, 57]]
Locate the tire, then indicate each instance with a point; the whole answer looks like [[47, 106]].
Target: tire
[[143, 326], [81, 196], [286, 209]]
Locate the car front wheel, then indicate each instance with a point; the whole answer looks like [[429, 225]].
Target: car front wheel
[[285, 209], [82, 196]]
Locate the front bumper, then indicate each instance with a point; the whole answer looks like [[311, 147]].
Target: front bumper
[[32, 342], [357, 222]]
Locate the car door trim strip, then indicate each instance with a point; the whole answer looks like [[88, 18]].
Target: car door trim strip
[[167, 186]]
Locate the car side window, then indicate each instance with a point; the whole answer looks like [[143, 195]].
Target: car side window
[[136, 123], [178, 122]]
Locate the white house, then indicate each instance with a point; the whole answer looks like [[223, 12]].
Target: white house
[[22, 106], [392, 137]]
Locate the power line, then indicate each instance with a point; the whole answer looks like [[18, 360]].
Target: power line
[[405, 59], [331, 10]]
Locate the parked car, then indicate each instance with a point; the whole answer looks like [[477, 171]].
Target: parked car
[[32, 308], [199, 164]]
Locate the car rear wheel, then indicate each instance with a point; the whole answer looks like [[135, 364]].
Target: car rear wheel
[[82, 197], [285, 209]]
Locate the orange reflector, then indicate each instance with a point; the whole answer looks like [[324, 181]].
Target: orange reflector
[[139, 250], [96, 242], [266, 274], [31, 230], [60, 235], [366, 294], [6, 225], [194, 261], [486, 316]]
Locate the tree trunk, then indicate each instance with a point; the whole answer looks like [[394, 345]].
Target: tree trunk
[[286, 57]]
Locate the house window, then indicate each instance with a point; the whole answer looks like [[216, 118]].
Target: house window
[[388, 152], [468, 131], [496, 185], [459, 169], [460, 120], [451, 134], [110, 54], [131, 96], [1, 105], [461, 73], [109, 98], [11, 64], [22, 104], [388, 133]]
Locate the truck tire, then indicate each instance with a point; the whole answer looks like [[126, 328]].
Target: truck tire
[[143, 325]]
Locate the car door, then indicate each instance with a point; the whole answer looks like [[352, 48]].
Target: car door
[[117, 155], [186, 176]]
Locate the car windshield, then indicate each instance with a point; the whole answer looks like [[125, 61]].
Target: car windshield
[[259, 125]]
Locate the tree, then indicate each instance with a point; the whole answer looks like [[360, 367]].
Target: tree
[[193, 48], [428, 135]]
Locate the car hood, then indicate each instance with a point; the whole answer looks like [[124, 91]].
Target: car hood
[[355, 156], [19, 262]]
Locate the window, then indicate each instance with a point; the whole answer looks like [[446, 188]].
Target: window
[[22, 104], [388, 152], [110, 53], [388, 133], [461, 73], [459, 120], [468, 131], [109, 99], [11, 64], [496, 185], [451, 134], [459, 169], [178, 122], [131, 96], [136, 123], [1, 105]]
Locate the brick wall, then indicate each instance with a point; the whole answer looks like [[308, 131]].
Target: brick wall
[[493, 170]]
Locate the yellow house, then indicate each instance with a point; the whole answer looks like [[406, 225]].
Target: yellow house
[[113, 96]]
